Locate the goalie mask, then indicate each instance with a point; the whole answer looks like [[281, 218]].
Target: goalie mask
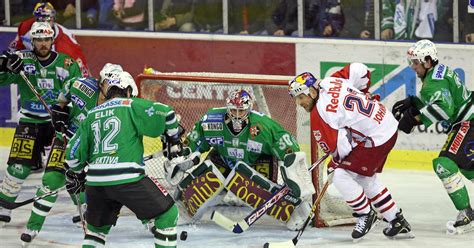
[[301, 84], [420, 50], [44, 12], [239, 105]]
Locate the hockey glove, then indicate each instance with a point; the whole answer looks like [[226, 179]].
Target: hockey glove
[[60, 117], [332, 165], [401, 106], [172, 145], [408, 120], [176, 167], [11, 62], [75, 182]]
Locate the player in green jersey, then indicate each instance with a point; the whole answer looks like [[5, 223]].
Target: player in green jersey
[[443, 98], [84, 95], [110, 142], [47, 71], [247, 148]]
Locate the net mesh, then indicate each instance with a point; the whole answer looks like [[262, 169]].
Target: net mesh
[[192, 94]]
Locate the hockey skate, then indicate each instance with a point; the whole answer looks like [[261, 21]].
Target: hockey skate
[[4, 216], [28, 236], [464, 222], [365, 222], [398, 228]]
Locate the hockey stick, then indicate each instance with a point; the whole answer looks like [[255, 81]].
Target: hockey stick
[[12, 205], [32, 88], [249, 220], [154, 155], [292, 243]]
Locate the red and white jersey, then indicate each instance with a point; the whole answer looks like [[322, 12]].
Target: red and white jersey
[[358, 75], [344, 117], [64, 42]]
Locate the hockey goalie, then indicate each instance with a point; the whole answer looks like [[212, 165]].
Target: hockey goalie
[[246, 149]]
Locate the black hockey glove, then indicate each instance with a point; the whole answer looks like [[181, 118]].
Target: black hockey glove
[[75, 182], [11, 62], [172, 145], [408, 120], [60, 117], [401, 106]]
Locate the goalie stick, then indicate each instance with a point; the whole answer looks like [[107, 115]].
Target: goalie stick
[[242, 225]]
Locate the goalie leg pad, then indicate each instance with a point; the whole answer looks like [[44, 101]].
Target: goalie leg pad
[[254, 189], [451, 178], [201, 188], [299, 216], [296, 175]]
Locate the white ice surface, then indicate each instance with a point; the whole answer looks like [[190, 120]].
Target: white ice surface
[[420, 194]]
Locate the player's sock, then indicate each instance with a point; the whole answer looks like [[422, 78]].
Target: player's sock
[[15, 175], [448, 172], [397, 226], [95, 236], [384, 204], [164, 229]]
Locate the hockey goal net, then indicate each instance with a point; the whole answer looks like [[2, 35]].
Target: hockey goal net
[[192, 94]]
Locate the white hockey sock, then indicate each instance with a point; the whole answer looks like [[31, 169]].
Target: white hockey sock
[[384, 204], [351, 191]]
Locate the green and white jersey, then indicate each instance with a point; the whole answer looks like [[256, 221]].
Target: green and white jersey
[[110, 139], [48, 79], [444, 98], [261, 135], [82, 93]]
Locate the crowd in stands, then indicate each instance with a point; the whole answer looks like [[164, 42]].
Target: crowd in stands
[[400, 19]]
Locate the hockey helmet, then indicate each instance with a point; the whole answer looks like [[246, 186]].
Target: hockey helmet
[[41, 30], [44, 11], [420, 50], [109, 70], [239, 100], [122, 80], [301, 84]]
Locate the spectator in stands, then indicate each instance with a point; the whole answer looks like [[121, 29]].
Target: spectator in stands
[[409, 20], [321, 18], [467, 21], [176, 15], [106, 18], [250, 16], [130, 14], [208, 16], [89, 9]]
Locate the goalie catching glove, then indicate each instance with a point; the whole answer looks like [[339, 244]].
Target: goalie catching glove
[[176, 167]]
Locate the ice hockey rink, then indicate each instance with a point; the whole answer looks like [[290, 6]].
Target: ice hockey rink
[[420, 194]]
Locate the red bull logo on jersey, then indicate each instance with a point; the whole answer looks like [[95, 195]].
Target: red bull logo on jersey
[[334, 92]]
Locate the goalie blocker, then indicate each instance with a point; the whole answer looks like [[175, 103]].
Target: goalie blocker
[[202, 187]]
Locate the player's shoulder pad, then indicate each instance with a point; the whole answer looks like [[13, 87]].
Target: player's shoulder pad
[[439, 71], [87, 85]]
